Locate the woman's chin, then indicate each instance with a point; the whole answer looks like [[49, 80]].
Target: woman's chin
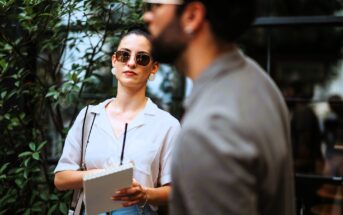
[[132, 83]]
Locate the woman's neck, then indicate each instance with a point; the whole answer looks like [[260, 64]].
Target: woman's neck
[[129, 100], [125, 107]]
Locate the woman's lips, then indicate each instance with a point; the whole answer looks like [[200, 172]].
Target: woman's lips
[[130, 73]]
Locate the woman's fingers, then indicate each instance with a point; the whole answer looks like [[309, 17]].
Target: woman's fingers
[[131, 196], [135, 188], [125, 198], [130, 203], [130, 191]]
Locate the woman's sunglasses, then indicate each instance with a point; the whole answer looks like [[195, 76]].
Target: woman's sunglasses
[[140, 58]]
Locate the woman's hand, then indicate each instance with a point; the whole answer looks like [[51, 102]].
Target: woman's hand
[[71, 179], [131, 195]]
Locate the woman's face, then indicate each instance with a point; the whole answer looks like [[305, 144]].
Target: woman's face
[[132, 73]]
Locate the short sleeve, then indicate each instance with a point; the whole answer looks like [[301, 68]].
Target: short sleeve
[[167, 152], [70, 158]]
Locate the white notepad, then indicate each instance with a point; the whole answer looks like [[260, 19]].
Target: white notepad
[[100, 187]]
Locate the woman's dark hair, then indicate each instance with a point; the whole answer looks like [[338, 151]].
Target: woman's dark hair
[[138, 30], [229, 19]]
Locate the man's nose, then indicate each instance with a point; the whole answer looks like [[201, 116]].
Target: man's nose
[[147, 17]]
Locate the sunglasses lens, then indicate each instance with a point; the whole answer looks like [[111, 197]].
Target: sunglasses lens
[[122, 56], [142, 59]]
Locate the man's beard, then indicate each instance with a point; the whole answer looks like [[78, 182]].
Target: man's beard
[[168, 46]]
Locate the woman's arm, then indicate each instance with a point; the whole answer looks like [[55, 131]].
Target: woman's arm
[[158, 196], [71, 179], [139, 194]]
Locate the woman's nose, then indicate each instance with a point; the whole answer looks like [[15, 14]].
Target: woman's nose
[[132, 61]]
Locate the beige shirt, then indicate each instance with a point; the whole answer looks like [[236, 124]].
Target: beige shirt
[[149, 144]]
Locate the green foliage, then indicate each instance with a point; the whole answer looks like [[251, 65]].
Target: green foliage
[[40, 94]]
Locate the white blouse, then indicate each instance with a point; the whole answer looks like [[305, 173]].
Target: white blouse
[[149, 144]]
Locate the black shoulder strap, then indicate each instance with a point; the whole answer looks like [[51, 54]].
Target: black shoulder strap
[[86, 126], [82, 138]]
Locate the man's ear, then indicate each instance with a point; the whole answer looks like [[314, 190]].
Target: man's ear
[[193, 17]]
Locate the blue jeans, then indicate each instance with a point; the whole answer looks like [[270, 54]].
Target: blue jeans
[[133, 210]]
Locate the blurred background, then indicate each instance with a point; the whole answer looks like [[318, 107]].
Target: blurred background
[[55, 59]]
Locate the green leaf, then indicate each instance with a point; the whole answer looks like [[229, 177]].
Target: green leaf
[[37, 209], [74, 77], [3, 94], [43, 196], [27, 211], [23, 154], [19, 170], [52, 209], [63, 208], [12, 93], [19, 182], [21, 115], [32, 146], [3, 64], [41, 145], [7, 116], [37, 206], [26, 173], [36, 169], [35, 155], [26, 162], [4, 211], [53, 197], [3, 167], [46, 14]]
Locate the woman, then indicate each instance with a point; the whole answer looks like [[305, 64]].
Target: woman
[[149, 138]]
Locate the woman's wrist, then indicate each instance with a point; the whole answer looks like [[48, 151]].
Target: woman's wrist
[[156, 196], [146, 196]]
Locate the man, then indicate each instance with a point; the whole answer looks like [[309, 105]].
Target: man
[[233, 154]]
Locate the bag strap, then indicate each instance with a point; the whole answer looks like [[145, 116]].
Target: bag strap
[[82, 139], [88, 127], [76, 202]]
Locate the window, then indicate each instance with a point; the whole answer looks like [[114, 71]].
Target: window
[[300, 45]]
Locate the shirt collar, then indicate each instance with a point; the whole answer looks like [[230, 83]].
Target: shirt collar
[[149, 110], [226, 63], [142, 117]]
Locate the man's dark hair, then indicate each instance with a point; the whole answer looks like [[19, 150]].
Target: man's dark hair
[[228, 18], [336, 104]]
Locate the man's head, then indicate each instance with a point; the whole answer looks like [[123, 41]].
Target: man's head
[[174, 23]]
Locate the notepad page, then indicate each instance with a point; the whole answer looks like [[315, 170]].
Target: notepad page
[[100, 187], [107, 171]]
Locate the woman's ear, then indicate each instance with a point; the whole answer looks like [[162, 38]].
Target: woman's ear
[[114, 59], [155, 67]]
